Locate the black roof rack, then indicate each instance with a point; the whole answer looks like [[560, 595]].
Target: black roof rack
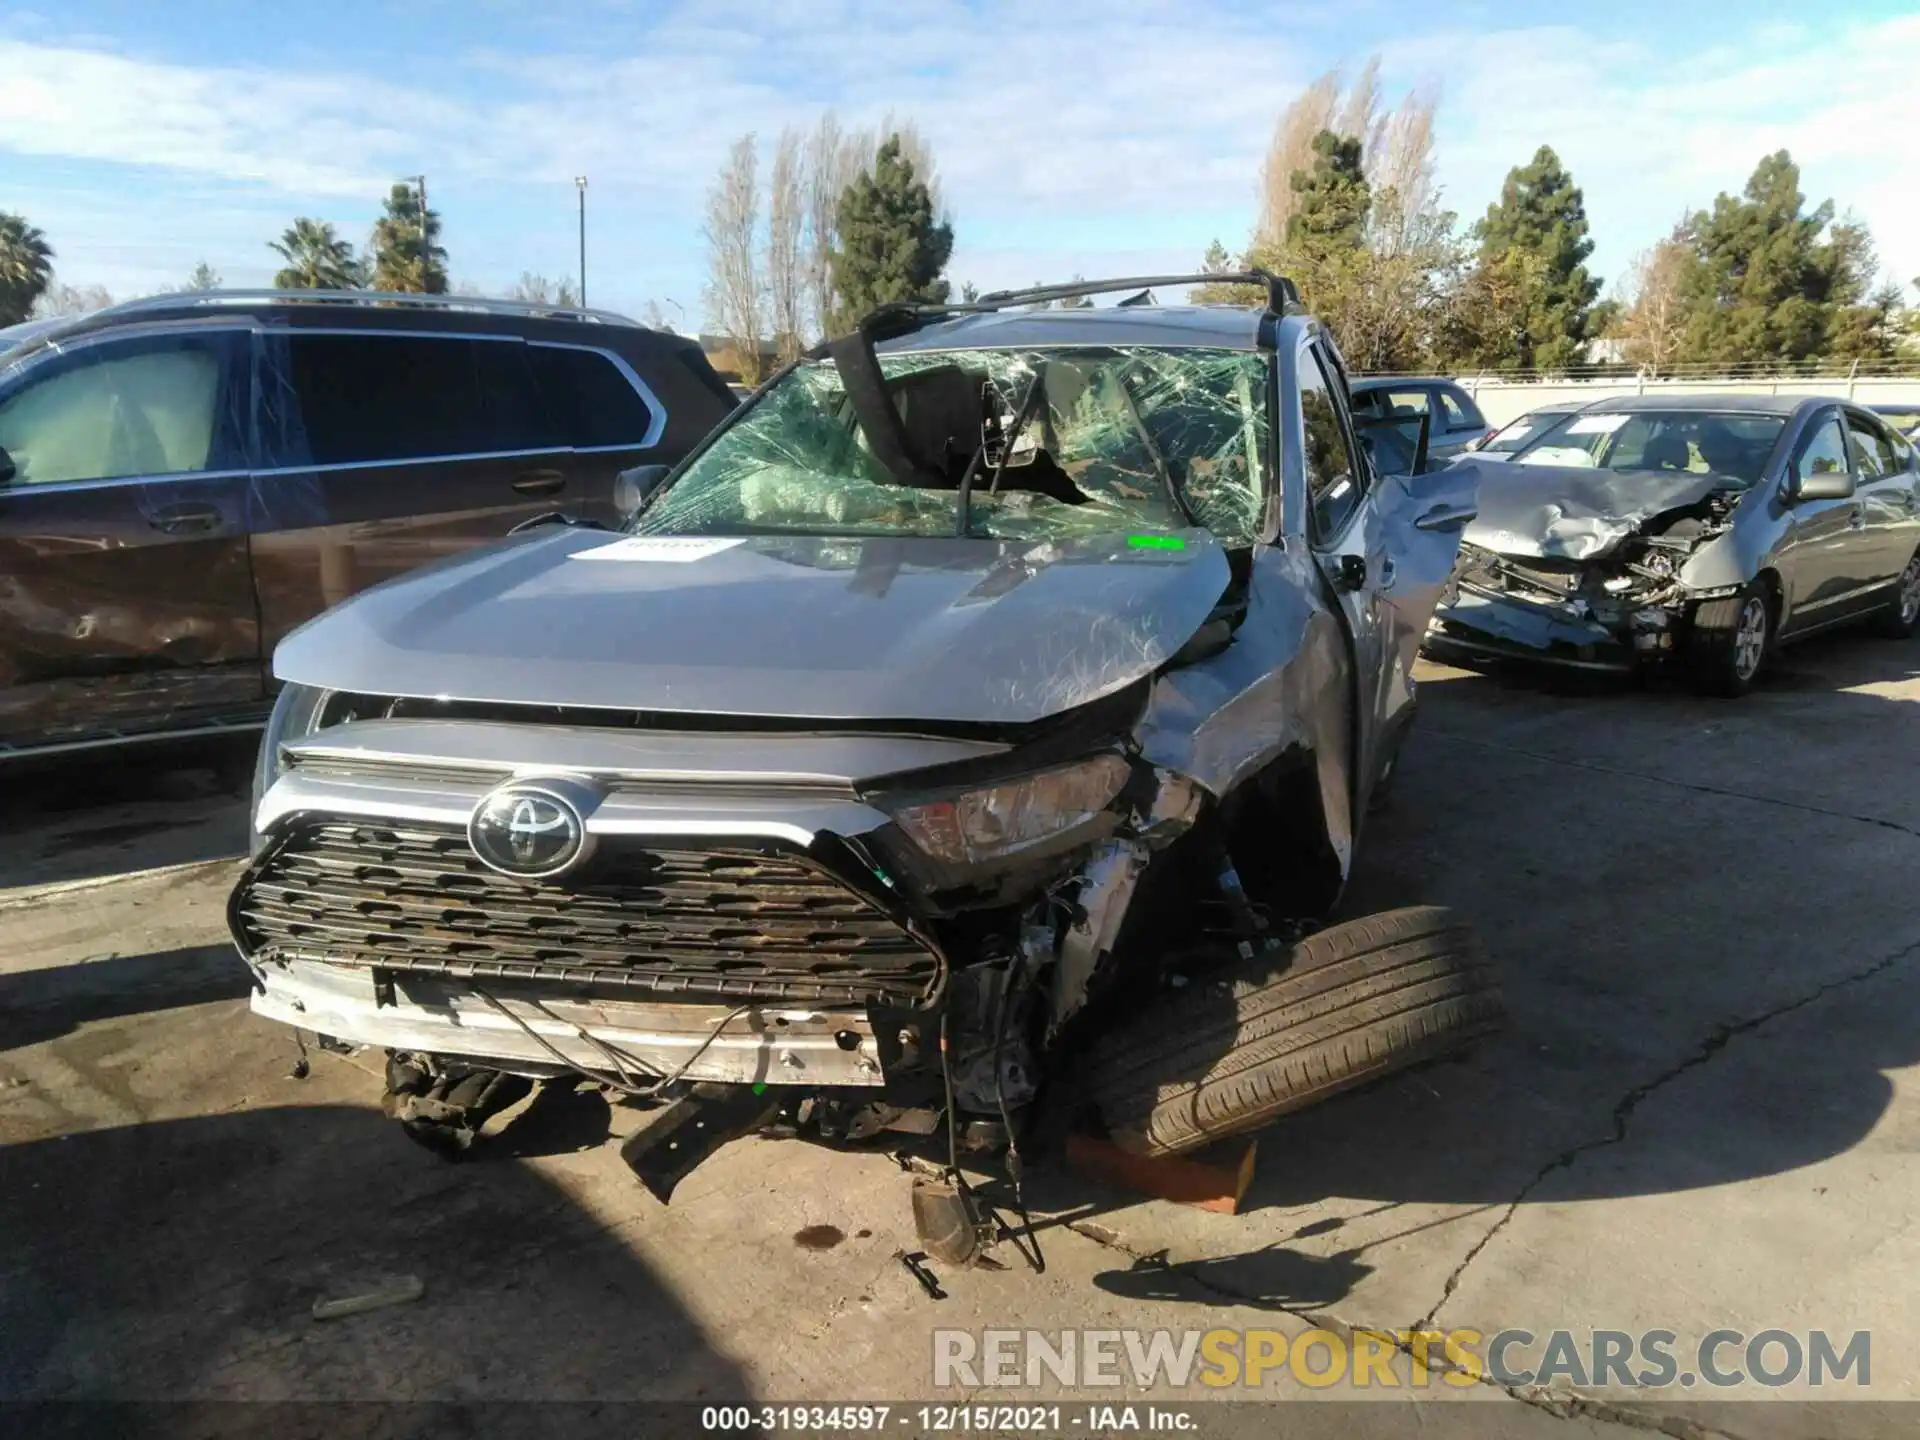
[[474, 304], [903, 317]]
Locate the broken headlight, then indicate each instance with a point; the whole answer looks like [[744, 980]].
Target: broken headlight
[[970, 827], [296, 712]]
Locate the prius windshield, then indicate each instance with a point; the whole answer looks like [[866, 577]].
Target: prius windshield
[[1048, 443], [1736, 446]]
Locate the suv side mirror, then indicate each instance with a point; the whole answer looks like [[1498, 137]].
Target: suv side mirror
[[7, 468], [1825, 485], [632, 489]]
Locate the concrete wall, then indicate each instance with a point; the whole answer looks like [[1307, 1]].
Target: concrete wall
[[1501, 400]]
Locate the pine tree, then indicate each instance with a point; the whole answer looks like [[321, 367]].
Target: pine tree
[[890, 247], [404, 259], [1763, 287], [1332, 198], [1542, 213]]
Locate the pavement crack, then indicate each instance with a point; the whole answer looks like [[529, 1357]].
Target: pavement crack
[[1715, 1041], [1696, 786]]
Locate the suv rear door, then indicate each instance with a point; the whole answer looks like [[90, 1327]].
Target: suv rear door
[[384, 450], [125, 601]]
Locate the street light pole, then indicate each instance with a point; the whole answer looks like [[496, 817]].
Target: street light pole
[[425, 243], [580, 184]]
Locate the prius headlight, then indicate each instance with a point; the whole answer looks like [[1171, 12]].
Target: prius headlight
[[296, 713], [994, 822]]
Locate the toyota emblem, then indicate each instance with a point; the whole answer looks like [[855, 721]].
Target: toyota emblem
[[527, 831]]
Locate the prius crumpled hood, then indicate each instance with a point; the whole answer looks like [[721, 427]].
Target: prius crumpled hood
[[1574, 513], [825, 628]]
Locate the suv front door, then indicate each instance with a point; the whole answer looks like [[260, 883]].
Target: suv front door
[[385, 450], [125, 600]]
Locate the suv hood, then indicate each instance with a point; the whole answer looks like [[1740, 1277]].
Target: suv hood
[[1574, 513], [965, 630]]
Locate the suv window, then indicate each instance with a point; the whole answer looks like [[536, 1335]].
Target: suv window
[[1334, 486], [154, 405], [593, 402], [402, 397], [1824, 452]]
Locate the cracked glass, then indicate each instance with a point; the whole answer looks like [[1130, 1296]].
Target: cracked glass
[[1117, 440]]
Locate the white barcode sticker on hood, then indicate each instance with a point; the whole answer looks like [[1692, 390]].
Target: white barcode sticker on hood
[[662, 549]]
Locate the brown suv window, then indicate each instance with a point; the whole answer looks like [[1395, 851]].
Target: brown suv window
[[374, 397], [593, 402]]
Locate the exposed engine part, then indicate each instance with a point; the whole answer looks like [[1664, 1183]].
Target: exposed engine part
[[1176, 805], [980, 1029], [1106, 888], [442, 1104]]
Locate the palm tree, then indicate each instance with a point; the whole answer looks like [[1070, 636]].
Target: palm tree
[[317, 259], [26, 268]]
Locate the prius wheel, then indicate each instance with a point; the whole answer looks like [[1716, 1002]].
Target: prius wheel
[[1731, 640], [1901, 615]]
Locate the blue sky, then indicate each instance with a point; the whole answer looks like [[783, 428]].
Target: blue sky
[[1090, 136]]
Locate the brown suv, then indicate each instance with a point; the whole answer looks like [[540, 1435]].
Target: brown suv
[[185, 479]]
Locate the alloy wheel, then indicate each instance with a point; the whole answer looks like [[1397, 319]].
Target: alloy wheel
[[1750, 638]]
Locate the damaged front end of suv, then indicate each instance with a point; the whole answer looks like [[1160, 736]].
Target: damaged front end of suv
[[967, 724]]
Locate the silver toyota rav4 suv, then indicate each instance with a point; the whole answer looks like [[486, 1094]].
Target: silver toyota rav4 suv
[[972, 731]]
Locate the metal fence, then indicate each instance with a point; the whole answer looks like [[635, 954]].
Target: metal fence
[[1502, 398]]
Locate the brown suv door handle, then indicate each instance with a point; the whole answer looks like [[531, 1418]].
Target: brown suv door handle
[[540, 482], [185, 519]]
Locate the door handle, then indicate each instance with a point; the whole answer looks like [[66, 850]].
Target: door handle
[[1387, 572], [185, 519], [1857, 517], [540, 482], [1447, 517]]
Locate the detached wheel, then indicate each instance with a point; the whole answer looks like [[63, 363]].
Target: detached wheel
[[1731, 640], [1268, 1036], [1900, 617]]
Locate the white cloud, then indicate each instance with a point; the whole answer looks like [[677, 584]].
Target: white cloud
[[1083, 135]]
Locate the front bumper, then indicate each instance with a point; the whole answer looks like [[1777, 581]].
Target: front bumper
[[769, 1044], [1478, 626]]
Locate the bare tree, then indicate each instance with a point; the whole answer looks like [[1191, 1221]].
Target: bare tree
[[1653, 321], [1360, 108], [735, 305], [823, 190], [63, 299], [786, 246], [1400, 169], [1292, 149], [536, 289]]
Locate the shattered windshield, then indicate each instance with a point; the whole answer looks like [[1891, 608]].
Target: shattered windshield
[[1050, 443], [1736, 446]]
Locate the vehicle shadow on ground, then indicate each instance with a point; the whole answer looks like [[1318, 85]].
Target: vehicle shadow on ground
[[181, 1259], [1687, 900], [91, 816], [38, 1005]]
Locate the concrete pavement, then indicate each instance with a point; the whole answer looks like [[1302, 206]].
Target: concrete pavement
[[1704, 1118]]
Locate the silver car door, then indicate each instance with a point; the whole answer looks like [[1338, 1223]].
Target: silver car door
[[1814, 554]]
